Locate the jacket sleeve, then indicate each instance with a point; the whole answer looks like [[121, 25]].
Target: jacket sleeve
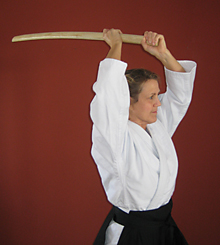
[[176, 100], [110, 107]]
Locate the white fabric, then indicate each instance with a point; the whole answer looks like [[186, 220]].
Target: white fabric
[[138, 172]]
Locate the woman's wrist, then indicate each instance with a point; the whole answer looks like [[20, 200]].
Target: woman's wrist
[[167, 59], [164, 57], [117, 44], [115, 51]]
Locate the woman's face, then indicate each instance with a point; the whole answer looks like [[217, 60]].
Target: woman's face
[[144, 111]]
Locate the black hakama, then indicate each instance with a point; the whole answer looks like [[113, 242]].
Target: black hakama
[[153, 227]]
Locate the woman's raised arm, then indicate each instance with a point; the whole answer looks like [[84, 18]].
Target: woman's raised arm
[[113, 38], [155, 44]]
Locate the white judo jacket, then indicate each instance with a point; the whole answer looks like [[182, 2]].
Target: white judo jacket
[[138, 171]]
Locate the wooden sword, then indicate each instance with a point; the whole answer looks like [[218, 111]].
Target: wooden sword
[[126, 38]]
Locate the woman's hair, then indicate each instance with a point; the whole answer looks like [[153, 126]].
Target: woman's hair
[[136, 78]]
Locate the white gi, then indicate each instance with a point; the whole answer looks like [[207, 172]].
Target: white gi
[[138, 171]]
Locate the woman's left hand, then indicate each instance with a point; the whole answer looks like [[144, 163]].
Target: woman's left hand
[[154, 43]]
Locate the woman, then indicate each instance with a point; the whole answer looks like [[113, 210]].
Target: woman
[[132, 145]]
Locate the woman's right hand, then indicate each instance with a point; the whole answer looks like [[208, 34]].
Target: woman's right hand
[[112, 36]]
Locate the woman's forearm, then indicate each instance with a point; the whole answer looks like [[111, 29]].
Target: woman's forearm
[[115, 51], [170, 62]]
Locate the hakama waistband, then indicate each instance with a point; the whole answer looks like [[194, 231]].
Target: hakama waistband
[[152, 227]]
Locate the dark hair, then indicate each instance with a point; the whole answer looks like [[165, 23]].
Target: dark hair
[[136, 78]]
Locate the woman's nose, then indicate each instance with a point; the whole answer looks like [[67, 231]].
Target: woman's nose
[[158, 103]]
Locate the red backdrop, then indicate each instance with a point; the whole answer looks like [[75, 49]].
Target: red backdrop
[[50, 190]]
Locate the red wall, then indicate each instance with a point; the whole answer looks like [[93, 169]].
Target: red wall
[[50, 190]]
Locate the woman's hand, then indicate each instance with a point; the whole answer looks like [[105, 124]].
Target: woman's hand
[[113, 38], [154, 44]]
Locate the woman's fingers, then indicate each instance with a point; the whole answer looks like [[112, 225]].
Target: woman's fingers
[[158, 38], [154, 43], [112, 36], [152, 38]]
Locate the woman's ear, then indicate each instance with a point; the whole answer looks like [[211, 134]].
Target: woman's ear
[[131, 101], [131, 109]]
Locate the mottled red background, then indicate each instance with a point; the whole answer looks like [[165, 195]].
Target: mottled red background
[[50, 190]]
